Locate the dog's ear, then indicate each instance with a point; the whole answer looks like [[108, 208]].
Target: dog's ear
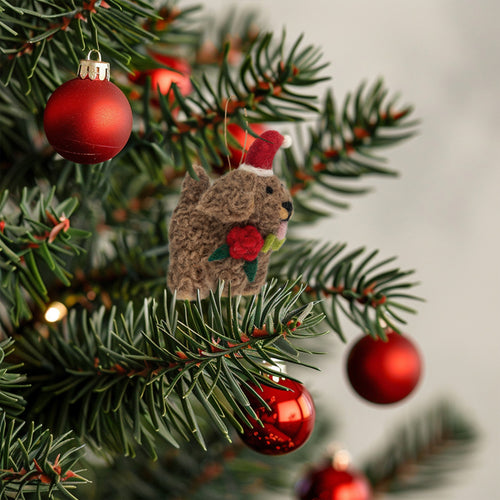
[[231, 198]]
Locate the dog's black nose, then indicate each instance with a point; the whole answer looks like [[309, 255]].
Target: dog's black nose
[[287, 205]]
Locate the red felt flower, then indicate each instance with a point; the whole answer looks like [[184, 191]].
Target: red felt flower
[[244, 243]]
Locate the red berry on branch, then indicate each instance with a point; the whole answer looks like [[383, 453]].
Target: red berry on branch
[[384, 372]]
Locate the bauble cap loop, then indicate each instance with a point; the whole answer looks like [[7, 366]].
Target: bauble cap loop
[[94, 69]]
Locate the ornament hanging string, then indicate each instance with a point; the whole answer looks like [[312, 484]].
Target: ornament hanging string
[[225, 134]]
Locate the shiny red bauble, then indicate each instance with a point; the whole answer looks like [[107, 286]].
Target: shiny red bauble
[[88, 121], [287, 425], [327, 483], [384, 372]]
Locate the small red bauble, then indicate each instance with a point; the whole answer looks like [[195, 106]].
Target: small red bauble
[[88, 119], [327, 483], [384, 372], [178, 72], [287, 425], [162, 78]]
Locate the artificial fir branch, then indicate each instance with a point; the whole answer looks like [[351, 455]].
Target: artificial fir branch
[[121, 380], [417, 458], [36, 463], [341, 149], [226, 470], [264, 85], [41, 33], [419, 453], [31, 459], [350, 285], [35, 238], [11, 383]]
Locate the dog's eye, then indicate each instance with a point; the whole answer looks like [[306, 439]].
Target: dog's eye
[[269, 190]]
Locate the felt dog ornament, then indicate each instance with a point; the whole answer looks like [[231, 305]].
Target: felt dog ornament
[[226, 231]]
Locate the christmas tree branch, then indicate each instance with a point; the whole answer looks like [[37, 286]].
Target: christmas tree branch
[[263, 86], [42, 33], [422, 452], [341, 149], [36, 463], [31, 460], [225, 470], [363, 290], [11, 383], [35, 238], [123, 380]]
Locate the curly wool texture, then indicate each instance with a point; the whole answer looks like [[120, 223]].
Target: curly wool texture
[[202, 220]]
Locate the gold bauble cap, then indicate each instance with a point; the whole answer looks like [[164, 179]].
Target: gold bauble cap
[[93, 69]]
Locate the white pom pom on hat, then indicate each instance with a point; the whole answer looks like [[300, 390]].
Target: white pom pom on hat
[[260, 156]]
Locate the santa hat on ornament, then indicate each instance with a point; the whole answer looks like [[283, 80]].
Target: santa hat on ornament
[[259, 159]]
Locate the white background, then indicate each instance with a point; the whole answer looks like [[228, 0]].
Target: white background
[[440, 217]]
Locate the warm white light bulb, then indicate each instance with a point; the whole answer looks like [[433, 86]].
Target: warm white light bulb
[[341, 460], [55, 312]]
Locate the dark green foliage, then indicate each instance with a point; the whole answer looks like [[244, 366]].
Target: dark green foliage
[[422, 453], [34, 464], [350, 286], [229, 471], [11, 383], [267, 86], [120, 380], [53, 37], [35, 242], [340, 149]]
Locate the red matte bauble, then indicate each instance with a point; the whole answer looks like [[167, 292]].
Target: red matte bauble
[[88, 121], [287, 425], [384, 372], [328, 483]]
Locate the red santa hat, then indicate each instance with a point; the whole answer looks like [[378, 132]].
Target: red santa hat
[[260, 156]]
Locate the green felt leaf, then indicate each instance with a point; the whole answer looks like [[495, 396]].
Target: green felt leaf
[[251, 270], [277, 244], [272, 243], [221, 253], [268, 243]]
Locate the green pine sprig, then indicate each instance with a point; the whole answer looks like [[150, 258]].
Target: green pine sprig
[[44, 41], [34, 464], [224, 470], [36, 239], [353, 286], [341, 149], [268, 85], [421, 453], [123, 379], [12, 383]]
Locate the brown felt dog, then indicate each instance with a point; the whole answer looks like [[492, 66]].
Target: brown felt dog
[[226, 231]]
